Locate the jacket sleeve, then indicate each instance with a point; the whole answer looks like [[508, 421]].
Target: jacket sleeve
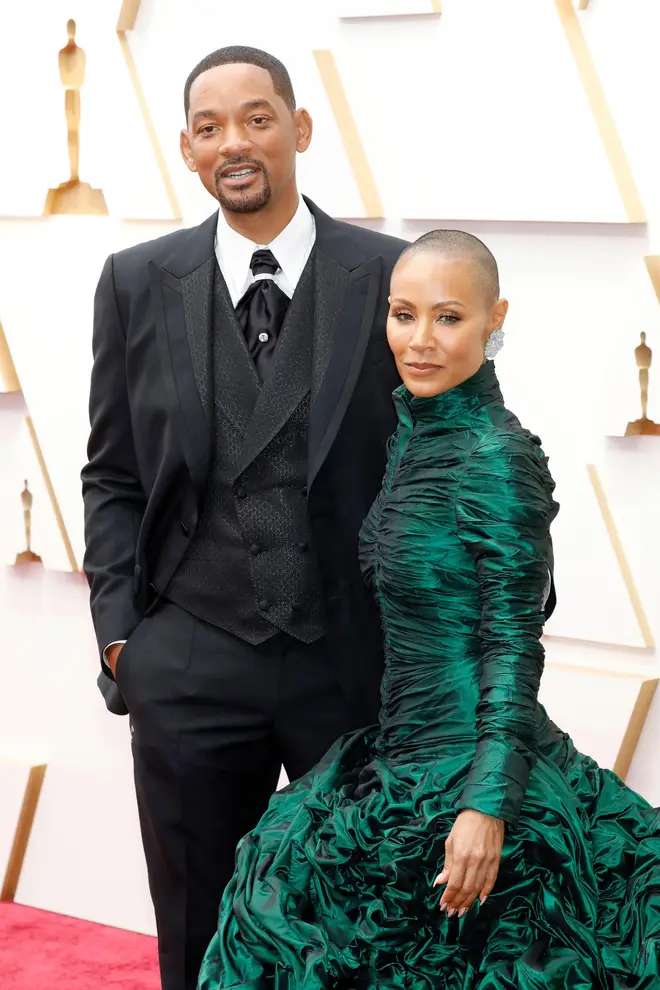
[[504, 509], [112, 493]]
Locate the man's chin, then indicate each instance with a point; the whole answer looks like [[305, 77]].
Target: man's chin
[[245, 203]]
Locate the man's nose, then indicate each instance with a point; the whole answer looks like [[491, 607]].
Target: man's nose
[[235, 143]]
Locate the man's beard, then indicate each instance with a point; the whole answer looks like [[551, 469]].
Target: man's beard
[[244, 201]]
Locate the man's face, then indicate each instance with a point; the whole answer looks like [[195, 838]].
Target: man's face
[[242, 138]]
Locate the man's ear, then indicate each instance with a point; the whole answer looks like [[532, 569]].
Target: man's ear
[[304, 128], [186, 152]]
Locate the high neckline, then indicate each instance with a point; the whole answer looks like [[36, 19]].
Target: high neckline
[[456, 405]]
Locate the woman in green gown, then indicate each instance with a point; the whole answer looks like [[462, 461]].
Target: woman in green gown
[[462, 843]]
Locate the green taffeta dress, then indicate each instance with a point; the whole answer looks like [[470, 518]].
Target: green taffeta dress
[[333, 889]]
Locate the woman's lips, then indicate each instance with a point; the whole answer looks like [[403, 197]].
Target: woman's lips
[[423, 370]]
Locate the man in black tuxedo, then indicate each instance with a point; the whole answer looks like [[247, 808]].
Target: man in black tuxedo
[[240, 406]]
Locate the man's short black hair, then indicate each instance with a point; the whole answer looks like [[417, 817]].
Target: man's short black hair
[[459, 244], [240, 54]]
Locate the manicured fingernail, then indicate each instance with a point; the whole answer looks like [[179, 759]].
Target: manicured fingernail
[[482, 900], [462, 912], [452, 912]]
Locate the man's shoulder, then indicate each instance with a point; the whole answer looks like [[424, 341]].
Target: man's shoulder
[[175, 244], [374, 241], [155, 247]]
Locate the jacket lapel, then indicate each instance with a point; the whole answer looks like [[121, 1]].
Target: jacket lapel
[[346, 302], [197, 298], [181, 292], [330, 285]]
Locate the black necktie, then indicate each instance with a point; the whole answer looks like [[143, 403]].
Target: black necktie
[[261, 311]]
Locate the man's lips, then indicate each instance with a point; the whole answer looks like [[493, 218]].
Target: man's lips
[[238, 172]]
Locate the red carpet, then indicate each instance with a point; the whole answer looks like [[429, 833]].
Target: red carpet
[[41, 950]]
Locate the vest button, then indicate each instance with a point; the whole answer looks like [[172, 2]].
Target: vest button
[[241, 493], [303, 547], [255, 549], [264, 605]]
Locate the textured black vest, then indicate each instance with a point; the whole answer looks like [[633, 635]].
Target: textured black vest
[[250, 567]]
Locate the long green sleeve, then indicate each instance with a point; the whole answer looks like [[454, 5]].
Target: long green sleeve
[[504, 508]]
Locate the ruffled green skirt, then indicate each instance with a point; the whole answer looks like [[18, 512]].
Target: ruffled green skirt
[[333, 889]]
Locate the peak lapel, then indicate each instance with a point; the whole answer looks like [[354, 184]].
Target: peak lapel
[[330, 285], [181, 287], [197, 297], [181, 387], [351, 298], [347, 291]]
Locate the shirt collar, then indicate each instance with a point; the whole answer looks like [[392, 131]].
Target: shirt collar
[[291, 247]]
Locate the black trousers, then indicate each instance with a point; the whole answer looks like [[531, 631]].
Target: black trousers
[[213, 719]]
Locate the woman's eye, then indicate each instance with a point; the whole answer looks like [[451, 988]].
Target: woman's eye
[[402, 317], [448, 318]]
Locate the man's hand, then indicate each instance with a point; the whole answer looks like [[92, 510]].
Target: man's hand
[[472, 860], [112, 656]]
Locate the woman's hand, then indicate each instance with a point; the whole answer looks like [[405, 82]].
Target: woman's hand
[[472, 860]]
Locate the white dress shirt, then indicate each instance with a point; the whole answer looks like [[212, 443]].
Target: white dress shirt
[[234, 252], [291, 248]]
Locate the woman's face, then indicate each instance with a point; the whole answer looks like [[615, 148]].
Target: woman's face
[[439, 321]]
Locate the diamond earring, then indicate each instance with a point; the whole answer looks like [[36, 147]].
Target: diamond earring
[[494, 344]]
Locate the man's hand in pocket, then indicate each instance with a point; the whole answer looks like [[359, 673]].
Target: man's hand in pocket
[[112, 656]]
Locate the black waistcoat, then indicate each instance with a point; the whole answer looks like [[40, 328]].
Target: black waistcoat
[[250, 567]]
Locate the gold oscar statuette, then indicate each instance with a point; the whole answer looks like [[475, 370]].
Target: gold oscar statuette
[[643, 427], [27, 556], [74, 196]]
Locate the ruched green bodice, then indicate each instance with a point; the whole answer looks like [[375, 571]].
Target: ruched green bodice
[[461, 530]]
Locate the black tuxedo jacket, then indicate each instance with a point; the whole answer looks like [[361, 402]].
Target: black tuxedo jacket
[[150, 442]]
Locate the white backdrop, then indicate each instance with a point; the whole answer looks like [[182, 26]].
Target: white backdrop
[[476, 118]]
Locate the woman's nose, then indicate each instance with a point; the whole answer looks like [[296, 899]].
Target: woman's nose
[[422, 338]]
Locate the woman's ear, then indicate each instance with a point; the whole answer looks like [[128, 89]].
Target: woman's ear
[[498, 313]]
